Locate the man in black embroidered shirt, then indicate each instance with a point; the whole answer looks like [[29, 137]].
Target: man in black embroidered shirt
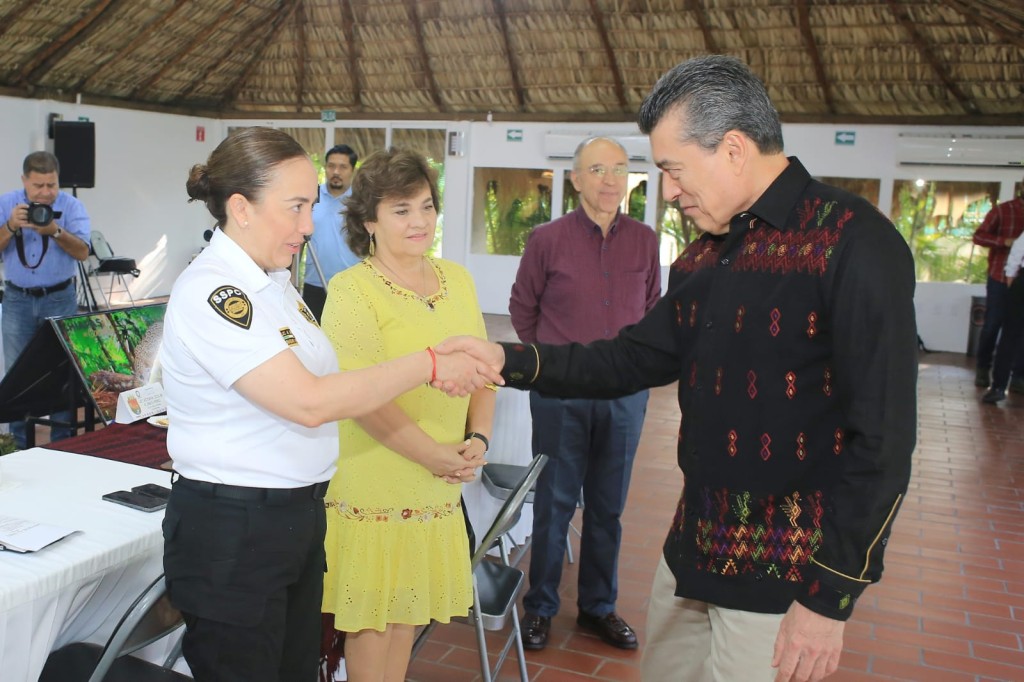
[[789, 326]]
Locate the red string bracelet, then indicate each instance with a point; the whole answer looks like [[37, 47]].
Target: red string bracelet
[[433, 364]]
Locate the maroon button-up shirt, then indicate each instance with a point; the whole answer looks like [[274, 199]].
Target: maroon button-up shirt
[[1005, 221], [574, 284]]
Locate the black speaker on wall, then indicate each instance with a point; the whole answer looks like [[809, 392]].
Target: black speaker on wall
[[74, 145]]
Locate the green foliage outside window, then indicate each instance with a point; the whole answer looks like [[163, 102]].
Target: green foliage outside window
[[938, 220]]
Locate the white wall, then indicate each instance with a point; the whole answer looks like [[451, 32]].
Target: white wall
[[143, 158], [942, 308], [142, 161]]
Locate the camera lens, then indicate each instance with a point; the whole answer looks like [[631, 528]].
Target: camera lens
[[40, 214]]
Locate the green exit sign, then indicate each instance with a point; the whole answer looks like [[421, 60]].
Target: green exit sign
[[847, 137], [328, 116], [514, 135]]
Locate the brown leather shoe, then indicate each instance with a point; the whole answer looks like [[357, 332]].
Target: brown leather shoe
[[611, 628], [534, 631]]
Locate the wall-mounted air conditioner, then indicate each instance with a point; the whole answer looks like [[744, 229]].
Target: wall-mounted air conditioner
[[563, 145], [999, 151]]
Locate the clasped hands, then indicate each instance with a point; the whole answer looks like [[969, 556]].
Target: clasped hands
[[466, 364]]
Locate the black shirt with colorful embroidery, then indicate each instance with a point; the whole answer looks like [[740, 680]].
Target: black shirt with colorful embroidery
[[794, 343]]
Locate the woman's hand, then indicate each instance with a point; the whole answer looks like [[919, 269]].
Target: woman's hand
[[449, 460], [459, 374], [490, 354], [472, 452]]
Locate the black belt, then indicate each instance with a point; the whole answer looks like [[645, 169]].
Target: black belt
[[242, 493], [39, 292]]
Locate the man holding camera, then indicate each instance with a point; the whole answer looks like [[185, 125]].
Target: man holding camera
[[45, 233]]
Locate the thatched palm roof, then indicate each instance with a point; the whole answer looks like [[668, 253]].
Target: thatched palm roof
[[896, 61]]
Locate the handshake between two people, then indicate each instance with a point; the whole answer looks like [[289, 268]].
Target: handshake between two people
[[465, 364]]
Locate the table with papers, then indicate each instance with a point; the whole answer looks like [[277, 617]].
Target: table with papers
[[77, 588]]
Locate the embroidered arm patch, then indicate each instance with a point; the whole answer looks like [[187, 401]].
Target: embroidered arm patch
[[233, 305]]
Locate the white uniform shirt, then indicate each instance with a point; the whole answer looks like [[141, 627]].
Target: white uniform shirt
[[226, 317], [1015, 260]]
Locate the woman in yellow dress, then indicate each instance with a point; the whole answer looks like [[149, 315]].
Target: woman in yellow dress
[[397, 549]]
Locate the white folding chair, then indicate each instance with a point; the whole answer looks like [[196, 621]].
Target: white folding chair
[[496, 585]]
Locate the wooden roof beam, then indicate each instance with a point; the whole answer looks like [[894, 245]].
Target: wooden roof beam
[[47, 58], [196, 42], [968, 105], [300, 85], [421, 47], [513, 63], [804, 19], [141, 38], [264, 42], [701, 15], [613, 64], [348, 27]]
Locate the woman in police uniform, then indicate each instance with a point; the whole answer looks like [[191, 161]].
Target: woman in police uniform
[[253, 391]]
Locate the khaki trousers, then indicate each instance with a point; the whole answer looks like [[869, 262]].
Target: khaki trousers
[[693, 641]]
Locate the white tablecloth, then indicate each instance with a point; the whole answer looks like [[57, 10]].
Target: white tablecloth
[[76, 589], [510, 444]]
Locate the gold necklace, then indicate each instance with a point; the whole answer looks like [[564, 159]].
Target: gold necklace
[[405, 284]]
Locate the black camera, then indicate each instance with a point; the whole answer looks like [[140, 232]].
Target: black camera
[[41, 214]]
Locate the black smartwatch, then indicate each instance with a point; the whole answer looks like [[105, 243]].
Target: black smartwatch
[[482, 437]]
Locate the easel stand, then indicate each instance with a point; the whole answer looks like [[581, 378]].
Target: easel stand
[[43, 381], [297, 281]]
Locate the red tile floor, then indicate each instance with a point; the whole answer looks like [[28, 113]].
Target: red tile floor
[[950, 607]]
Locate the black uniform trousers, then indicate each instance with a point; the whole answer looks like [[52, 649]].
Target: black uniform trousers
[[246, 568]]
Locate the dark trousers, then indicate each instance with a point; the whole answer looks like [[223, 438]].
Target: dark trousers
[[1010, 346], [996, 302], [248, 577], [315, 298], [591, 445]]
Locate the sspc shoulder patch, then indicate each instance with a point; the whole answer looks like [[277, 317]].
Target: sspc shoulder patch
[[233, 305]]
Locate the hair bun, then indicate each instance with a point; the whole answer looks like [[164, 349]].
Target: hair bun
[[198, 183]]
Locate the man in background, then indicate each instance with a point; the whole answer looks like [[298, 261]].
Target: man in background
[[584, 277], [40, 262], [328, 239], [998, 231]]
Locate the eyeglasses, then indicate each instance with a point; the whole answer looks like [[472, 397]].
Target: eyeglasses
[[601, 171]]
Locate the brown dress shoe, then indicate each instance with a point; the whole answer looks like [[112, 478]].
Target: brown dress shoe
[[610, 627], [534, 631]]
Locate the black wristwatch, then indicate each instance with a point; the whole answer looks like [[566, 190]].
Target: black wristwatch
[[482, 437]]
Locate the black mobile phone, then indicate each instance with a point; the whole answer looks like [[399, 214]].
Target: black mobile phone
[[140, 501], [154, 490]]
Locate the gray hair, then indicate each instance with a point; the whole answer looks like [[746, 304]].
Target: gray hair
[[712, 95], [579, 149], [40, 162]]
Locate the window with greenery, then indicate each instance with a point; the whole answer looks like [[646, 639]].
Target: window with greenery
[[938, 219], [675, 231], [869, 188], [507, 204]]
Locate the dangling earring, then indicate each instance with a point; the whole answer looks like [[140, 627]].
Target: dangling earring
[[373, 244]]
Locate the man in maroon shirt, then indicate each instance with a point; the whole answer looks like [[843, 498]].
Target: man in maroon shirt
[[1001, 227], [584, 277]]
